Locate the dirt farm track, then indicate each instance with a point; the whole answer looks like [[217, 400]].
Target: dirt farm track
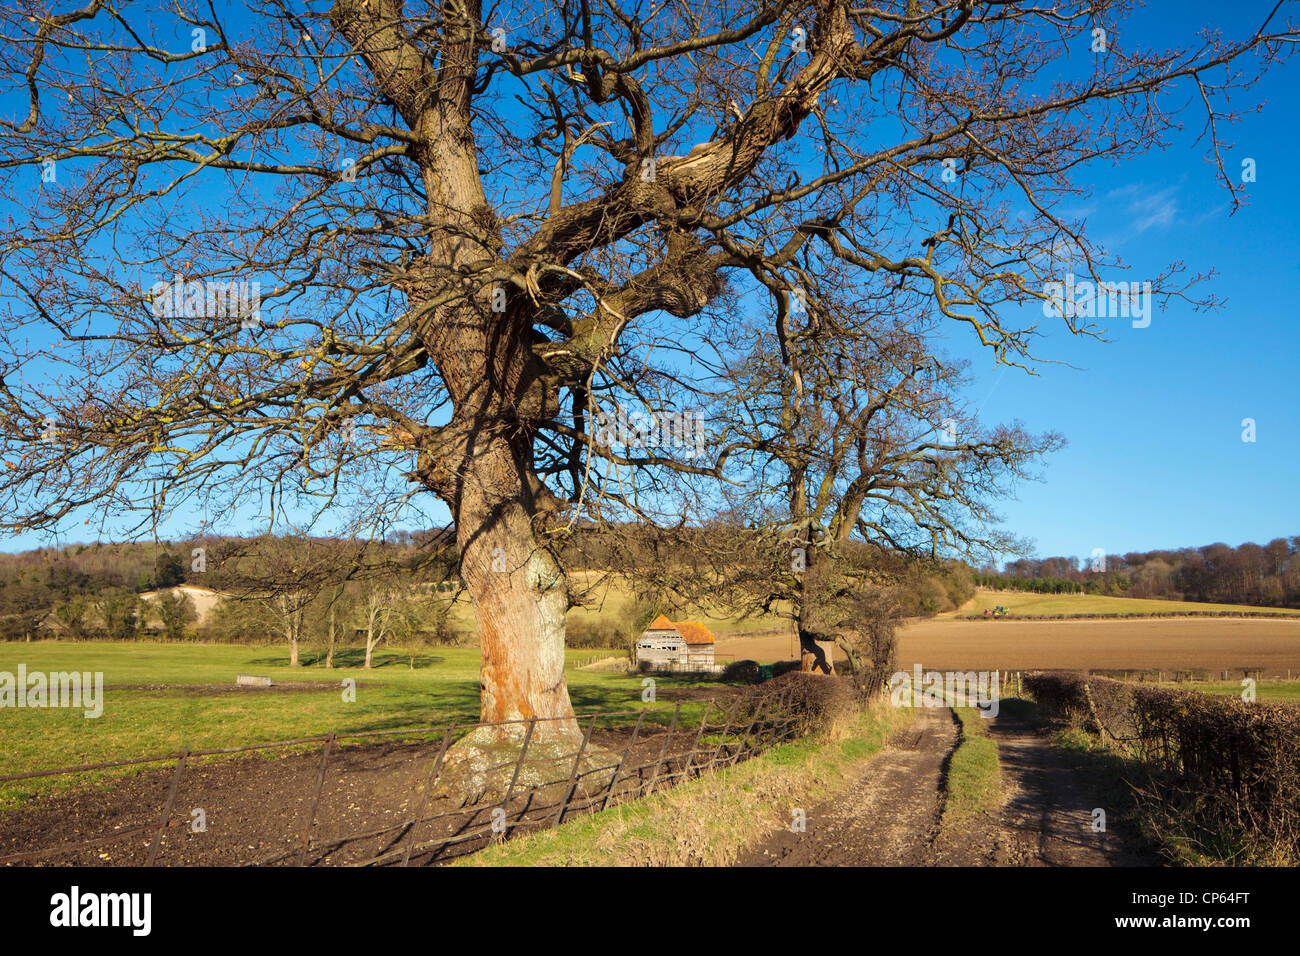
[[1272, 645]]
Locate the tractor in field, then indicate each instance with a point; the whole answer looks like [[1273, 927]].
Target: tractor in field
[[998, 611]]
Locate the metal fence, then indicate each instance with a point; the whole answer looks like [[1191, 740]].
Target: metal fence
[[640, 752]]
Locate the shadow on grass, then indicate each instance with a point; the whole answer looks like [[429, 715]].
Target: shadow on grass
[[625, 690]]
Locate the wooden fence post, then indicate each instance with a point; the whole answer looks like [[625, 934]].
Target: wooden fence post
[[167, 810], [320, 785], [731, 714], [636, 731], [573, 774], [663, 748], [433, 779], [519, 765], [690, 758]]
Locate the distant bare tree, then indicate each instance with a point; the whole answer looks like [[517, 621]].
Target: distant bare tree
[[384, 612], [336, 600], [846, 455], [279, 578]]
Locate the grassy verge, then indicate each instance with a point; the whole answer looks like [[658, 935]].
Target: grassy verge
[[708, 821], [1279, 691], [1168, 826], [974, 777], [1112, 775]]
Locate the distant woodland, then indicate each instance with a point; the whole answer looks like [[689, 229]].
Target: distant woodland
[[1263, 575], [322, 592]]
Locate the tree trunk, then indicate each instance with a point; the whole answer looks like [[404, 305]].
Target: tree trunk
[[855, 660], [292, 633], [520, 599], [370, 646], [812, 656], [481, 462], [329, 654]]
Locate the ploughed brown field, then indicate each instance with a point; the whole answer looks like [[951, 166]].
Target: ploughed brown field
[[1192, 643]]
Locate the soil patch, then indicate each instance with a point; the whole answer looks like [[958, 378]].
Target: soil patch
[[888, 816], [258, 809]]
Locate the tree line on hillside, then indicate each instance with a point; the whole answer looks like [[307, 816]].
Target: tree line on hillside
[[97, 592], [1260, 575], [332, 593], [328, 594], [92, 591]]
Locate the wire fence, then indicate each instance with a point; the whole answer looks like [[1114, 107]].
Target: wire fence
[[391, 797]]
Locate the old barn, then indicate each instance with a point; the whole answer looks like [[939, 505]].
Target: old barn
[[684, 644]]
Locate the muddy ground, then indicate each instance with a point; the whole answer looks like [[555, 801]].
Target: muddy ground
[[890, 814], [256, 809]]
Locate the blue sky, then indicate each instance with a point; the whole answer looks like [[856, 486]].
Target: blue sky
[[1154, 416]]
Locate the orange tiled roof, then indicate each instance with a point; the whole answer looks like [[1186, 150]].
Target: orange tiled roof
[[694, 633], [661, 623]]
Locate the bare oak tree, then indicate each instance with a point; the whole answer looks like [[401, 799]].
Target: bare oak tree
[[850, 455], [476, 229]]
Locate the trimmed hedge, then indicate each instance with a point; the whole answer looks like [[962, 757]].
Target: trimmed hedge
[[1238, 763], [815, 701]]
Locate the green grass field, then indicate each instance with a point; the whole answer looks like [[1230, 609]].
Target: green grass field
[[1273, 691], [427, 687], [1047, 605]]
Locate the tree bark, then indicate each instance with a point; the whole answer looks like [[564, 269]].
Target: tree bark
[[520, 599], [481, 465], [812, 657], [329, 654], [292, 627]]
